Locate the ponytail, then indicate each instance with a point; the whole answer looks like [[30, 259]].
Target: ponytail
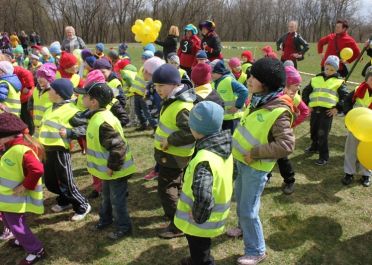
[[35, 146]]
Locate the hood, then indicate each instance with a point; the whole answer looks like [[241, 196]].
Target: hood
[[280, 102], [13, 79], [218, 143], [187, 93]]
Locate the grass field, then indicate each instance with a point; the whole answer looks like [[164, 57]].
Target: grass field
[[323, 222]]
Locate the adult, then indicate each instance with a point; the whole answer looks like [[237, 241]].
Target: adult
[[292, 45], [189, 46], [170, 43], [211, 43], [33, 39], [5, 42], [335, 43], [23, 38], [72, 42]]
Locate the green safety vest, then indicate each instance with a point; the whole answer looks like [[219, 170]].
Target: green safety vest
[[243, 78], [245, 66], [114, 84], [41, 104], [324, 92], [182, 72], [365, 102], [13, 101], [11, 176], [139, 84], [132, 76], [53, 121], [225, 90], [253, 130], [168, 125], [222, 189], [97, 155], [297, 100]]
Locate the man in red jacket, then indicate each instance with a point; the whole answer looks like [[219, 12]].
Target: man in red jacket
[[336, 42]]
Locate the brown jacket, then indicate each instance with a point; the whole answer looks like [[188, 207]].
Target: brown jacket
[[281, 137]]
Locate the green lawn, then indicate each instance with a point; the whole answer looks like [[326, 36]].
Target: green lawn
[[323, 222]]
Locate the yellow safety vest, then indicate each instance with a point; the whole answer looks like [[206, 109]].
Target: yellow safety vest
[[245, 66], [139, 84], [225, 90], [114, 84], [297, 100], [222, 189], [13, 102], [168, 125], [126, 87], [324, 92], [252, 131], [365, 102], [243, 78], [182, 72], [11, 176], [97, 155], [53, 121], [41, 104]]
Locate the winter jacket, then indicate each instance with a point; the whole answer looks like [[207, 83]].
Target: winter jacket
[[211, 43], [281, 140], [4, 88], [342, 91], [350, 98], [27, 81], [219, 144], [206, 92], [181, 137], [238, 89], [74, 43], [300, 44], [187, 51], [169, 45]]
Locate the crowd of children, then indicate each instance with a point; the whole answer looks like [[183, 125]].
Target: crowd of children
[[212, 125]]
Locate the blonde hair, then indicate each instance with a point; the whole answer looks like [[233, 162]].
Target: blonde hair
[[173, 30], [70, 28]]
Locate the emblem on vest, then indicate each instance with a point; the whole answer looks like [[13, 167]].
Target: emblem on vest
[[260, 118], [9, 162], [90, 135]]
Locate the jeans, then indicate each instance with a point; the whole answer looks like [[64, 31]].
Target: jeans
[[249, 186], [142, 111], [114, 204]]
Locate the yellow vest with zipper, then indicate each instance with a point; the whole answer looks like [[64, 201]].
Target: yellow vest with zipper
[[41, 104], [245, 66], [243, 78], [132, 76], [13, 101], [324, 92]]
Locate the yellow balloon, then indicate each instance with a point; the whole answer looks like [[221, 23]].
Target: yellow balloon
[[138, 38], [352, 115], [364, 154], [148, 21], [139, 22], [136, 29], [158, 22], [363, 128], [346, 54]]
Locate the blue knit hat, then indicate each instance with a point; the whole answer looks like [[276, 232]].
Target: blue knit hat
[[220, 68], [147, 55], [150, 47], [123, 47], [100, 46], [166, 74], [63, 87], [201, 55], [55, 48], [333, 61], [206, 118], [90, 60], [102, 64]]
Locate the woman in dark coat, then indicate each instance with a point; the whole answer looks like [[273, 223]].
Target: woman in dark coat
[[170, 43]]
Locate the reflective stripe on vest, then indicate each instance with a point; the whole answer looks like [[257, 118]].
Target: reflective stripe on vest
[[41, 104], [222, 171], [365, 102], [139, 84], [53, 121], [225, 90], [13, 101], [97, 155], [168, 125], [115, 84], [11, 176], [324, 92], [253, 130]]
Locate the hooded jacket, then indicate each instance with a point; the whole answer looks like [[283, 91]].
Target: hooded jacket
[[4, 88]]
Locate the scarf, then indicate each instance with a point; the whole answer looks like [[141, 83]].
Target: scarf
[[261, 99]]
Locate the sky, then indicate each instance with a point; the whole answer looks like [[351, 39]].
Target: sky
[[366, 8]]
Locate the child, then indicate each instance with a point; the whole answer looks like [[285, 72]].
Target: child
[[207, 188], [68, 66], [361, 97], [248, 60], [46, 57], [201, 57], [18, 55], [56, 131], [174, 60], [190, 44], [35, 63], [174, 143], [55, 51], [89, 59], [237, 71], [324, 95], [256, 146], [268, 52], [10, 87], [232, 92], [109, 158], [123, 47], [128, 75], [100, 47], [21, 189]]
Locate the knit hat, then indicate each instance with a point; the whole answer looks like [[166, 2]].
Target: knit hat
[[220, 68], [113, 54], [147, 55], [192, 28], [214, 62], [206, 118], [150, 47], [90, 60], [94, 76], [201, 55], [166, 74], [293, 77], [63, 87], [234, 62], [248, 54], [67, 60], [100, 46], [333, 61], [288, 63], [173, 58], [85, 54], [18, 49], [201, 74], [55, 47], [99, 91], [10, 125], [368, 73], [270, 72], [121, 64], [102, 64], [47, 71], [34, 56], [6, 67], [267, 49], [45, 51], [152, 64]]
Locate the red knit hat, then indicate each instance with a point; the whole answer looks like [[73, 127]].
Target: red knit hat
[[67, 60], [201, 74], [248, 54], [10, 125], [120, 65], [267, 49]]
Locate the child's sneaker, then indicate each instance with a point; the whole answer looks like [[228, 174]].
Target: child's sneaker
[[33, 258], [347, 179], [321, 162], [251, 260], [234, 232], [58, 208], [79, 217], [366, 181], [7, 235], [152, 175]]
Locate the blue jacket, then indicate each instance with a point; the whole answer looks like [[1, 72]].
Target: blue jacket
[[240, 90], [4, 88]]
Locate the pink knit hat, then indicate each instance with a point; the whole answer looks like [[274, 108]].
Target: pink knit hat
[[152, 64], [293, 77], [94, 76], [47, 71], [234, 62]]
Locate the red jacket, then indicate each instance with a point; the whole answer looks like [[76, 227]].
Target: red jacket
[[343, 40], [187, 50], [27, 81]]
